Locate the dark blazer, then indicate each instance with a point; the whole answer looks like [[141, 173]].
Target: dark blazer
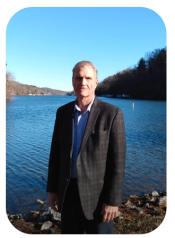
[[101, 158]]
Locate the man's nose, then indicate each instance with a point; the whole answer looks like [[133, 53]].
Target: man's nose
[[83, 81]]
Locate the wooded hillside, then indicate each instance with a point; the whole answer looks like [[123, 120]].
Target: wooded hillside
[[146, 80]]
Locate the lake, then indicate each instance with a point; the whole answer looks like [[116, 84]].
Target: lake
[[29, 127]]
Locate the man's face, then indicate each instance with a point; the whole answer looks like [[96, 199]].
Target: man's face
[[84, 81]]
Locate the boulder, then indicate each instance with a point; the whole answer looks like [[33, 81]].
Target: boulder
[[148, 215], [131, 206], [127, 203], [149, 198], [161, 201], [56, 216], [51, 231], [137, 203], [153, 209], [119, 214], [46, 225], [155, 194], [133, 196], [146, 205], [139, 210]]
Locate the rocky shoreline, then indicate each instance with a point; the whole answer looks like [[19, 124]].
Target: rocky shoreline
[[137, 215]]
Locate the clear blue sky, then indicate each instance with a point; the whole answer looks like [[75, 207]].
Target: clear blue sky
[[43, 44]]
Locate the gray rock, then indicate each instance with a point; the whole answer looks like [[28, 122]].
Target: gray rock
[[148, 215], [33, 212], [127, 203], [137, 209], [146, 205], [46, 225], [51, 231], [150, 198], [119, 214], [155, 194], [13, 217], [161, 201], [137, 203], [48, 211], [20, 216], [56, 216], [133, 196], [131, 206], [157, 201], [153, 209]]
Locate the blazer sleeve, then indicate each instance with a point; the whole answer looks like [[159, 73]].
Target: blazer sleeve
[[52, 182], [115, 165]]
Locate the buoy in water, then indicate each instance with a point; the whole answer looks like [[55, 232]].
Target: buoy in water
[[132, 105]]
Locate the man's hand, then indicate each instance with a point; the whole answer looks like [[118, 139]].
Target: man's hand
[[52, 198], [108, 212]]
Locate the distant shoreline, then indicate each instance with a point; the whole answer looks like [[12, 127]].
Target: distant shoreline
[[129, 98]]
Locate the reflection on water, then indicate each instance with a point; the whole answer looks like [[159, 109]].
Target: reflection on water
[[29, 127]]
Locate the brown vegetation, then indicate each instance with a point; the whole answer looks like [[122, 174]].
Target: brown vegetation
[[15, 88]]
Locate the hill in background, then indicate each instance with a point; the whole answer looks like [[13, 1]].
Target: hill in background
[[15, 88], [54, 91]]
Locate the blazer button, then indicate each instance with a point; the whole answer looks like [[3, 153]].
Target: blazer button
[[66, 180]]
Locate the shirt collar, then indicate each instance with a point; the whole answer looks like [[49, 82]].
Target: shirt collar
[[76, 107]]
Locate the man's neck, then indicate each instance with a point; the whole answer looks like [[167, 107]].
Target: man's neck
[[84, 102]]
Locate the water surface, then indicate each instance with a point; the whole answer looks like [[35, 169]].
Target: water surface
[[29, 127]]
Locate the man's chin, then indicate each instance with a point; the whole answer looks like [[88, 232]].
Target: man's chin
[[83, 94]]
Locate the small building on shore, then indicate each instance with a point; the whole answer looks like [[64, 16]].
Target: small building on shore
[[125, 96]]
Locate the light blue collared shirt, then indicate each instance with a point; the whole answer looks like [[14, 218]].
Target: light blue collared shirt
[[80, 120]]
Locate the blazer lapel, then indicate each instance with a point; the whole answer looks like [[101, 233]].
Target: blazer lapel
[[69, 121], [94, 112]]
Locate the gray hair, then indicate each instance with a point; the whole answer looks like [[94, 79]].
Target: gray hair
[[85, 63]]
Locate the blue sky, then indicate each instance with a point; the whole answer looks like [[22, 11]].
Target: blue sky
[[43, 44]]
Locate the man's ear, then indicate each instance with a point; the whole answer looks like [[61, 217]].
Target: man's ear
[[96, 82]]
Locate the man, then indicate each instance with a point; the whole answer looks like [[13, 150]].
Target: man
[[87, 159]]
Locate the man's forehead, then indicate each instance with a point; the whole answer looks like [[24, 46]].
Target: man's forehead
[[79, 67], [88, 69]]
